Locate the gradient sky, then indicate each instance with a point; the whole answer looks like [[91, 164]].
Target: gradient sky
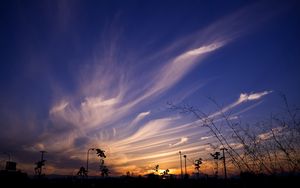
[[80, 74]]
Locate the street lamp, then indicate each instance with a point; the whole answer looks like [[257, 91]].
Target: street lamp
[[180, 164], [87, 160], [185, 173]]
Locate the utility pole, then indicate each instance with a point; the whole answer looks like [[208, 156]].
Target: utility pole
[[180, 164], [185, 165], [224, 162], [42, 159]]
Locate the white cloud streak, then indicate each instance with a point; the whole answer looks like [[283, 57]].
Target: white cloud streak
[[182, 141], [59, 107], [139, 117], [244, 97]]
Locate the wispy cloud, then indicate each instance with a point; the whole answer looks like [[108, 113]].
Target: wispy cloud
[[181, 65], [182, 141], [205, 137], [244, 97], [252, 96], [139, 117], [267, 135], [59, 107]]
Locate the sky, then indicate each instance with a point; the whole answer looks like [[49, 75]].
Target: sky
[[77, 74]]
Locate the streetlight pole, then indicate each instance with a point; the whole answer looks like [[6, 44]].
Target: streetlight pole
[[87, 160], [180, 164], [185, 165]]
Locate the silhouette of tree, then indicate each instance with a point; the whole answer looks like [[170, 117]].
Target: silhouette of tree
[[82, 172], [197, 164], [165, 173], [216, 157], [156, 168], [100, 153], [104, 170], [270, 146], [209, 122], [39, 166]]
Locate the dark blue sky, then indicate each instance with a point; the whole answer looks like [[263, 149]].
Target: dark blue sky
[[80, 73]]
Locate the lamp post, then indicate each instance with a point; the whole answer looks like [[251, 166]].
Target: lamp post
[[185, 173], [87, 160], [180, 164]]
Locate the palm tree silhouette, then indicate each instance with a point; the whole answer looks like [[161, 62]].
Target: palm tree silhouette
[[103, 169], [100, 153]]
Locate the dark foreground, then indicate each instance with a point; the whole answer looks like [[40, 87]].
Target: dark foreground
[[247, 181]]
